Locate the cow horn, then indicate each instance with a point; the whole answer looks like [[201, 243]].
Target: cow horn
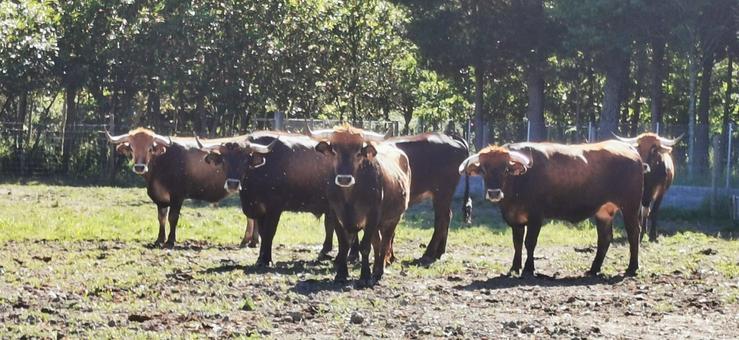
[[373, 136], [632, 141], [259, 148], [520, 158], [116, 139], [670, 142], [321, 134], [207, 147], [474, 159], [166, 141]]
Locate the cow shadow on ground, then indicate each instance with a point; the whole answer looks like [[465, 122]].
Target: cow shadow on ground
[[505, 282], [293, 267]]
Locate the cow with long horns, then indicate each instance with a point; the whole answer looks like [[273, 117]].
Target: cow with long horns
[[174, 170], [274, 172], [369, 190], [659, 172], [536, 181]]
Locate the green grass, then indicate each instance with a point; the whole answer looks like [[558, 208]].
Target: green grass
[[87, 243]]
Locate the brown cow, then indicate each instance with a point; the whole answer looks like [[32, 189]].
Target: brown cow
[[173, 172], [433, 159], [369, 191], [659, 172], [537, 181]]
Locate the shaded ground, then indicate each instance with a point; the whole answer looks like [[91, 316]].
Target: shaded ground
[[688, 284]]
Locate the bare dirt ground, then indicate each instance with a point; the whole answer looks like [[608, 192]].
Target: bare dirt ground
[[93, 289]]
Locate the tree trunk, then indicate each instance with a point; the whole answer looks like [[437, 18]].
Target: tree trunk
[[702, 141], [693, 70], [20, 137], [154, 106], [641, 70], [479, 105], [535, 112], [69, 121], [407, 116], [658, 68], [616, 74], [726, 119]]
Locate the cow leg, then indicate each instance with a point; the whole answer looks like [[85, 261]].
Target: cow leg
[[365, 278], [329, 224], [532, 235], [267, 227], [389, 253], [442, 217], [174, 216], [518, 232], [631, 224], [653, 218], [162, 214], [251, 234], [342, 272], [354, 251], [379, 249], [604, 223]]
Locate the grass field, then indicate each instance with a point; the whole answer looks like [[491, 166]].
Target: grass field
[[75, 261]]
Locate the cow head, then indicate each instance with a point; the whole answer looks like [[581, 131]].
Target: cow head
[[651, 147], [237, 157], [496, 165], [142, 145], [350, 148]]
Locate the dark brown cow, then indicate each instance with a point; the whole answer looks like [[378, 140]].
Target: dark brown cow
[[369, 191], [173, 172], [659, 172], [537, 181], [275, 172]]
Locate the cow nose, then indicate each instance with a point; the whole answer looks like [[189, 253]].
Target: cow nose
[[344, 181], [494, 195], [232, 185], [140, 169]]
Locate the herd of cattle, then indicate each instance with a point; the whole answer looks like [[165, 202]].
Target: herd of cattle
[[361, 180]]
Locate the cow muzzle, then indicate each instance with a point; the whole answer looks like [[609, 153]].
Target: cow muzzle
[[344, 181], [646, 168], [140, 168], [494, 195], [232, 185]]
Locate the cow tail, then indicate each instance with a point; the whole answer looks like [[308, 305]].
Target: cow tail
[[467, 203], [467, 209]]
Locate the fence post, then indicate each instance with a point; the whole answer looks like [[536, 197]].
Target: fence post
[[716, 144], [279, 120], [657, 129], [728, 155], [590, 133], [528, 130]]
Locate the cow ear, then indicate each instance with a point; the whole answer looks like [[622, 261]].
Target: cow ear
[[213, 158], [517, 169], [257, 160], [324, 147], [369, 151], [123, 149], [159, 149]]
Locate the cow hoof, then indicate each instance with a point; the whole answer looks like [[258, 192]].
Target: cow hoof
[[253, 244], [340, 279], [592, 273], [354, 259], [365, 283], [425, 261], [323, 257], [630, 272], [263, 264], [653, 240], [528, 274], [168, 245], [243, 245]]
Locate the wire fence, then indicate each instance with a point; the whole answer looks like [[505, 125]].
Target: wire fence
[[38, 150]]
